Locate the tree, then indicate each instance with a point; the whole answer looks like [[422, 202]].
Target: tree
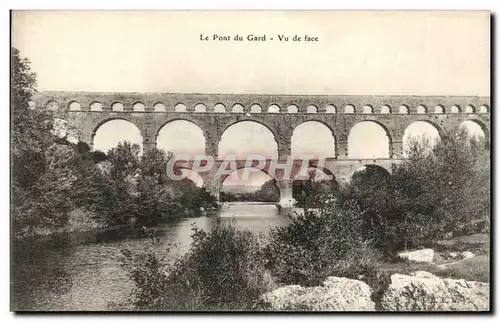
[[30, 131]]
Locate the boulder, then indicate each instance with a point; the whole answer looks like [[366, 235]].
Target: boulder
[[63, 130], [467, 255], [423, 291], [336, 294], [420, 256]]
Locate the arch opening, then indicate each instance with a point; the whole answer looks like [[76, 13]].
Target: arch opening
[[159, 108], [180, 108], [117, 107], [139, 107], [367, 109], [256, 109], [110, 133], [313, 181], [367, 140], [248, 138], [385, 109], [470, 109], [403, 109], [349, 109], [200, 108], [192, 176], [313, 138], [74, 106], [331, 109], [237, 108], [181, 137], [311, 109], [96, 106], [455, 109], [423, 133], [484, 109], [292, 109], [273, 109], [52, 105], [421, 109], [439, 109], [219, 108], [249, 184], [474, 129]]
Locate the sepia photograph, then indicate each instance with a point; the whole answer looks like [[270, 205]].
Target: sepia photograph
[[255, 161]]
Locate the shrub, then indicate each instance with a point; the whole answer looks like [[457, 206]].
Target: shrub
[[223, 270], [317, 244]]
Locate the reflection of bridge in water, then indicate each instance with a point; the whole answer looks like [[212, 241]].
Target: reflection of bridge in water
[[281, 114]]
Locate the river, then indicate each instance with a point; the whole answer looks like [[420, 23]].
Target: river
[[88, 277]]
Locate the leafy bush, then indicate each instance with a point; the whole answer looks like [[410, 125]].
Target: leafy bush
[[223, 270], [317, 244], [436, 193]]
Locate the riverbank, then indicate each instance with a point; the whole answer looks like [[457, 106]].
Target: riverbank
[[84, 274]]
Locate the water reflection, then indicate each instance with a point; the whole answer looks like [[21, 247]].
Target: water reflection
[[59, 276]]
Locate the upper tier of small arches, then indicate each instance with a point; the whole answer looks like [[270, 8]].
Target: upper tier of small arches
[[159, 107]]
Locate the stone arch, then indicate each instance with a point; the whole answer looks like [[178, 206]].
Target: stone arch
[[331, 109], [349, 109], [373, 142], [385, 109], [52, 105], [237, 108], [189, 137], [322, 178], [254, 140], [433, 124], [367, 109], [200, 108], [96, 106], [481, 126], [312, 109], [292, 109], [117, 106], [273, 109], [159, 107], [256, 109], [371, 169], [470, 109], [439, 109], [248, 176], [421, 109], [193, 176], [308, 142], [219, 108], [425, 129], [455, 109], [132, 133], [180, 108], [484, 109], [74, 106], [139, 107], [403, 109]]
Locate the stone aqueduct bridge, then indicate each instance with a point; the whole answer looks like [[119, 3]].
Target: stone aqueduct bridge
[[214, 113]]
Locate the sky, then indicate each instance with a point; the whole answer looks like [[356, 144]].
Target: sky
[[357, 53]]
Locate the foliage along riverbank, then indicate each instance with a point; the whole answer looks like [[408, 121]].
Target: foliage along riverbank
[[355, 232], [59, 184]]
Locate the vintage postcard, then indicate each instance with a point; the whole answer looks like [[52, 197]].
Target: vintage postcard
[[250, 161]]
